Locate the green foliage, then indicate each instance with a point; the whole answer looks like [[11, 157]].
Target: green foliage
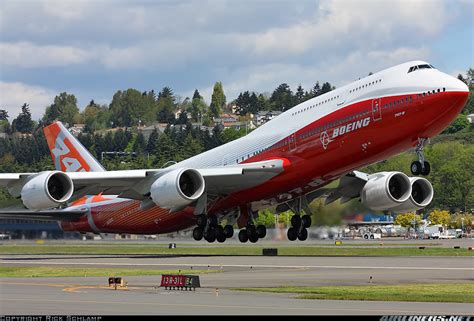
[[441, 217], [458, 124], [130, 107], [64, 109], [282, 98], [218, 100], [23, 122], [462, 220], [265, 217], [407, 219]]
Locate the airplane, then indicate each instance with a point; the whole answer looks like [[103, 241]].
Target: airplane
[[285, 163]]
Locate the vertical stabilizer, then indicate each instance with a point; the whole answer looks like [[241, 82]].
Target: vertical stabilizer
[[68, 154]]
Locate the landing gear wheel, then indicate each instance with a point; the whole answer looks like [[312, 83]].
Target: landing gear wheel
[[201, 220], [426, 170], [220, 236], [243, 237], [210, 235], [253, 237], [261, 231], [303, 235], [296, 220], [416, 168], [228, 231], [292, 234], [306, 220], [198, 233]]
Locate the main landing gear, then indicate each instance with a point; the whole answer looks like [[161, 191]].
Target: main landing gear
[[209, 229], [299, 224], [252, 233], [420, 166]]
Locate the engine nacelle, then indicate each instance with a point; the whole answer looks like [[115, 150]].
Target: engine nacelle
[[177, 188], [386, 190], [421, 196], [47, 190]]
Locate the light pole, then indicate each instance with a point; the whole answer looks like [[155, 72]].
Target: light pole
[[462, 227]]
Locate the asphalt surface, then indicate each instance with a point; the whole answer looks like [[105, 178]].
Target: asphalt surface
[[91, 295]]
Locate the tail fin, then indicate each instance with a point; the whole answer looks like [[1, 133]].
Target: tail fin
[[68, 154]]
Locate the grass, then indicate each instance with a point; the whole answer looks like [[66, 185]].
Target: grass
[[26, 272], [410, 292], [247, 249]]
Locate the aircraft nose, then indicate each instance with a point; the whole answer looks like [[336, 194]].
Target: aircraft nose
[[457, 85]]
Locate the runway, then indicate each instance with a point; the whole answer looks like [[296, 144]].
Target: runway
[[91, 295]]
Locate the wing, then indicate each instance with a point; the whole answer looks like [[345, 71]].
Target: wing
[[46, 215], [349, 187], [135, 184]]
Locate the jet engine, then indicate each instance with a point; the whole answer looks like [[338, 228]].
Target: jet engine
[[177, 188], [386, 190], [421, 196], [47, 190]]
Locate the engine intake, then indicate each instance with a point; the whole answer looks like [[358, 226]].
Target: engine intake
[[386, 190], [421, 196], [177, 188], [47, 190]]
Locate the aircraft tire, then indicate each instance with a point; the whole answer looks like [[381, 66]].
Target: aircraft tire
[[198, 233], [243, 237], [303, 235], [292, 234], [228, 231], [426, 170], [415, 168], [261, 231], [306, 220], [296, 221]]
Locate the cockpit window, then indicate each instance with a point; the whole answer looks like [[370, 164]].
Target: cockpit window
[[425, 66]]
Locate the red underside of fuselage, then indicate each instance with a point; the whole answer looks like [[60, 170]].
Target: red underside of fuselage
[[391, 131]]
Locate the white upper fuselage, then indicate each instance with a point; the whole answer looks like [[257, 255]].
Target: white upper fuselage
[[389, 82]]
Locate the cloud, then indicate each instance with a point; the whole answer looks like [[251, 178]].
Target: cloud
[[29, 55], [14, 94], [349, 25]]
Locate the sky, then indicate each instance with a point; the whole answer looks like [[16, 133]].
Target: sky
[[93, 48]]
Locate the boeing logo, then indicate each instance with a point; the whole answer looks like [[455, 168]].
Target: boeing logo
[[350, 127], [325, 139]]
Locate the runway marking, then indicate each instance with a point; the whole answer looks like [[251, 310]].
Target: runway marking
[[246, 306], [248, 265]]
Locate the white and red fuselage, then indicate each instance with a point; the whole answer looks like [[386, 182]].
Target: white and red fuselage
[[319, 140]]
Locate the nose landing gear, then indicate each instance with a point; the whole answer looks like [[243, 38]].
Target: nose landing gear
[[420, 166]]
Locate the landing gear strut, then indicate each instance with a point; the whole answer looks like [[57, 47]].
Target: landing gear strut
[[420, 166], [299, 224]]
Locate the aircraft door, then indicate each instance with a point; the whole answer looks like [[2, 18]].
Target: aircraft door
[[292, 142], [376, 109]]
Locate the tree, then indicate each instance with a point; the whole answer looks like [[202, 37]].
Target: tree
[[182, 119], [23, 122], [458, 124], [441, 217], [129, 108], [265, 217], [3, 114], [139, 144], [282, 98], [218, 100], [406, 220], [300, 94], [197, 95], [152, 144], [64, 109]]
